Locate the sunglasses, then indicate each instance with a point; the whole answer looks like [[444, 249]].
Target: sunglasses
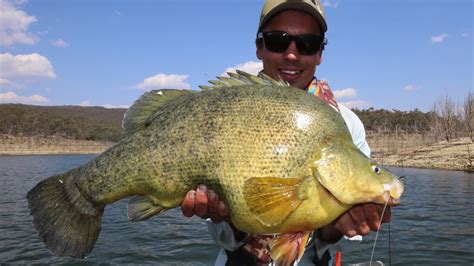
[[279, 41]]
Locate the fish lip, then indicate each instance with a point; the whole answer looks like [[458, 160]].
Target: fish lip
[[392, 193], [395, 201], [396, 189], [386, 199]]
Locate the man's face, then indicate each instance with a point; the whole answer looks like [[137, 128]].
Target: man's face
[[291, 66]]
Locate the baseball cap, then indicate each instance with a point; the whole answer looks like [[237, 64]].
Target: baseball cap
[[313, 7]]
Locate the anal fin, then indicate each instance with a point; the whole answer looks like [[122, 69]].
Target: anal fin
[[288, 248]]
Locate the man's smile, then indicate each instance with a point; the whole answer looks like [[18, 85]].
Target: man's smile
[[289, 74]]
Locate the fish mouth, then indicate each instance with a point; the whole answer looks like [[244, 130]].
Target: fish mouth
[[396, 189], [395, 201], [385, 198], [392, 193]]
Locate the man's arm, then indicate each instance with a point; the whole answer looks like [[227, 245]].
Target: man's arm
[[359, 220], [362, 218]]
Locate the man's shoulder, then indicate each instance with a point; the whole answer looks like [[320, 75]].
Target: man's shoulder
[[346, 109], [348, 114]]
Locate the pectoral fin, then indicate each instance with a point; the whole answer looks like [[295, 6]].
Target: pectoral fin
[[143, 207], [272, 199], [288, 248]]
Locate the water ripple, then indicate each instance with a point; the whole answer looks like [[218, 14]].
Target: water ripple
[[434, 224]]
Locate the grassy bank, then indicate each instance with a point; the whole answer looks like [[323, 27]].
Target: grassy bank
[[422, 151], [13, 145]]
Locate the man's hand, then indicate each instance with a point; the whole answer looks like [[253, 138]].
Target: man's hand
[[359, 220], [205, 203]]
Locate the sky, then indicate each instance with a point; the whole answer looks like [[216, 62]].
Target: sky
[[390, 54]]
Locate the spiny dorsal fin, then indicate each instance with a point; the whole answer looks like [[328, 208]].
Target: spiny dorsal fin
[[137, 116], [242, 78]]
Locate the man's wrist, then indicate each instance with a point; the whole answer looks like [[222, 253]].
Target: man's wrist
[[329, 234]]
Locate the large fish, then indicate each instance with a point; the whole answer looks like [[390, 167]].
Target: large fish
[[282, 160]]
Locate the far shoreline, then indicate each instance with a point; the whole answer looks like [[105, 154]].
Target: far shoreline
[[454, 155], [24, 145], [44, 154]]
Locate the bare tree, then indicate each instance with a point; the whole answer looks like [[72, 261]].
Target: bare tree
[[445, 111], [468, 116]]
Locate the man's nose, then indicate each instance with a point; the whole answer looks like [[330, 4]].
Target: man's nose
[[291, 52]]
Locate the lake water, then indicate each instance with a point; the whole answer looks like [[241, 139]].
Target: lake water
[[434, 224]]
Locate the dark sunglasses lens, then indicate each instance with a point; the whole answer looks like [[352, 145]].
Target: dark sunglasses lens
[[276, 42], [309, 44]]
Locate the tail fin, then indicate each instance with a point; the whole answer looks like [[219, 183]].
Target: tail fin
[[64, 219]]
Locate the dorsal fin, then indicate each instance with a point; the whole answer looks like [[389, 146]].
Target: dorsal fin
[[137, 116], [242, 78]]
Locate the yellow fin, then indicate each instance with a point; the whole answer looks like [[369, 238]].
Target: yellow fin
[[143, 207], [272, 199], [288, 248]]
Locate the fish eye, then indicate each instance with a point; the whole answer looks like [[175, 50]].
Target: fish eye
[[376, 169]]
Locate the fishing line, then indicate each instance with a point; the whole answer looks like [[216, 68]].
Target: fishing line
[[377, 234], [389, 246]]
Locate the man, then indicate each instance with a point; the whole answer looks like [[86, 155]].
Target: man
[[290, 42]]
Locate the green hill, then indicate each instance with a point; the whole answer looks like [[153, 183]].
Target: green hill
[[71, 122]]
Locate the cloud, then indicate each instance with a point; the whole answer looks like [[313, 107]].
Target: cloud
[[162, 81], [410, 87], [20, 69], [345, 93], [118, 13], [14, 24], [251, 67], [11, 97], [465, 34], [112, 106], [109, 106], [349, 93], [439, 38], [5, 83], [355, 104], [85, 103], [328, 3], [59, 43]]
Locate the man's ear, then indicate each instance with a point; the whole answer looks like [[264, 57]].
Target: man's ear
[[259, 51], [319, 60]]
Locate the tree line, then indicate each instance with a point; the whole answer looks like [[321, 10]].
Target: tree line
[[446, 121]]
